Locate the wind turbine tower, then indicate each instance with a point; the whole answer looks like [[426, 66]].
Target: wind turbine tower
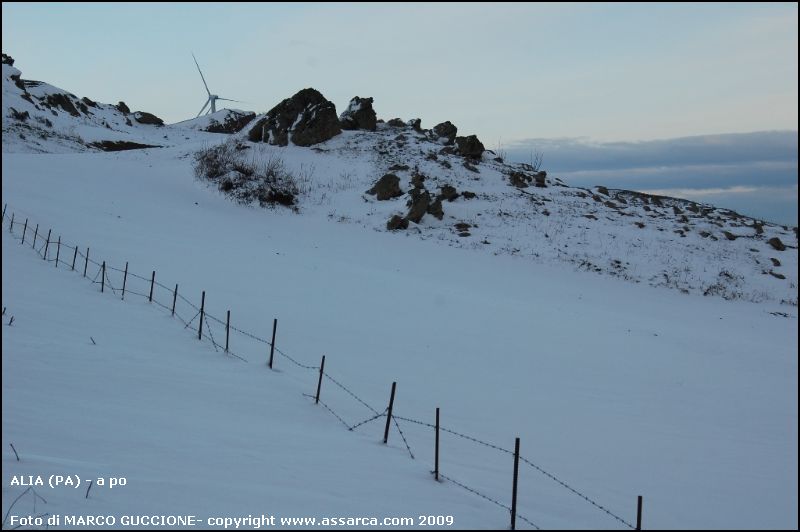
[[212, 98]]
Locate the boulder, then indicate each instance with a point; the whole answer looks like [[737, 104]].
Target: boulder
[[387, 187], [359, 115], [445, 132], [396, 122], [396, 222], [122, 108], [776, 243], [448, 193], [306, 118], [416, 124], [470, 147], [420, 201], [147, 118], [519, 179], [233, 123], [435, 209]]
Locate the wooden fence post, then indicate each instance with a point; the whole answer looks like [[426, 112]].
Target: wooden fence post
[[202, 313], [11, 225], [319, 382], [152, 282], [103, 277], [272, 345], [74, 256], [514, 489], [35, 234], [227, 330], [86, 261], [58, 250], [174, 298], [436, 461], [124, 280], [4, 210], [24, 230], [639, 513], [389, 414], [46, 244]]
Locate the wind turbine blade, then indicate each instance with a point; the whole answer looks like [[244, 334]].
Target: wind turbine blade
[[204, 107], [201, 75], [229, 100]]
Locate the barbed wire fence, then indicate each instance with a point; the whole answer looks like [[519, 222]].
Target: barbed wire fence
[[124, 283]]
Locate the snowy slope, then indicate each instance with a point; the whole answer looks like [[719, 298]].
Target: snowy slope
[[617, 381], [619, 389]]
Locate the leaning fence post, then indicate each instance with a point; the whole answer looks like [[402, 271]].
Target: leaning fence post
[[436, 461], [47, 244], [86, 261], [74, 256], [4, 210], [639, 513], [174, 298], [35, 234], [103, 277], [227, 330], [152, 282], [272, 345], [58, 250], [514, 489], [24, 229], [202, 313], [389, 414], [11, 225], [124, 280], [319, 382]]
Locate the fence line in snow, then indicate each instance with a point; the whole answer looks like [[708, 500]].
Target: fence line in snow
[[102, 273]]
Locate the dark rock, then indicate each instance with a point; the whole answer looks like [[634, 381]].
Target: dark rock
[[62, 101], [470, 147], [122, 108], [8, 60], [775, 262], [471, 167], [233, 123], [396, 122], [465, 233], [120, 145], [448, 193], [445, 132], [776, 243], [676, 209], [435, 209], [777, 275], [359, 115], [416, 124], [729, 235], [519, 179], [540, 178], [462, 226], [420, 201], [147, 118], [387, 187], [418, 180], [602, 190], [468, 195], [396, 222], [306, 118], [20, 116], [89, 102]]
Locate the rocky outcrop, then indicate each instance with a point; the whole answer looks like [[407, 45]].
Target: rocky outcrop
[[418, 204], [122, 108], [359, 115], [445, 133], [397, 222], [387, 187], [776, 243], [147, 118], [61, 101], [470, 147], [306, 118], [233, 123]]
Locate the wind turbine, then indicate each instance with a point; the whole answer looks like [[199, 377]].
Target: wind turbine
[[212, 98]]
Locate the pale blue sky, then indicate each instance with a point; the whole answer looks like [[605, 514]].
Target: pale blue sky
[[505, 72]]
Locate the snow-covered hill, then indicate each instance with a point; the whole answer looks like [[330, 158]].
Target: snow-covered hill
[[552, 316]]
